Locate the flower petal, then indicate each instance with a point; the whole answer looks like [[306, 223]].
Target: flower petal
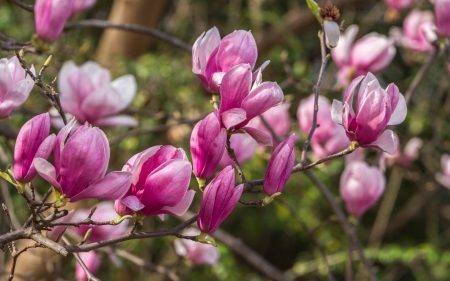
[[261, 137], [386, 142], [232, 117], [47, 172]]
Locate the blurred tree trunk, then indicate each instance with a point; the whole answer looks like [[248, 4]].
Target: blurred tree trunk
[[129, 44]]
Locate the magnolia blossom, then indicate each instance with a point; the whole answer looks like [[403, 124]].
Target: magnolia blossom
[[444, 177], [81, 160], [32, 142], [361, 186], [376, 108], [329, 137], [399, 5], [241, 102], [159, 185], [207, 146], [278, 119], [372, 53], [50, 17], [88, 93], [195, 252], [213, 57], [244, 148], [280, 167], [417, 31], [441, 10], [219, 199], [15, 86]]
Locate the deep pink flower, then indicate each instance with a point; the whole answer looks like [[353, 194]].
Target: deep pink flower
[[219, 199], [361, 186], [244, 148], [88, 93], [441, 10], [280, 167], [195, 252], [417, 29], [329, 137], [32, 142], [50, 17], [212, 57], [160, 182], [81, 161], [376, 108], [92, 262], [240, 102], [82, 5], [278, 119], [372, 53], [399, 5], [207, 146], [15, 86]]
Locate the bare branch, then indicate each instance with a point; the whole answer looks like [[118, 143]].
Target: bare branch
[[28, 8]]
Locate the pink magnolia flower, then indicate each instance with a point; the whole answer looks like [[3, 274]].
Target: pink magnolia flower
[[159, 184], [244, 148], [219, 199], [92, 262], [240, 103], [376, 108], [81, 161], [417, 29], [399, 5], [329, 137], [441, 10], [88, 93], [278, 119], [50, 17], [32, 142], [15, 86], [207, 146], [372, 53], [82, 5], [280, 167], [361, 186], [212, 57], [444, 177], [195, 252]]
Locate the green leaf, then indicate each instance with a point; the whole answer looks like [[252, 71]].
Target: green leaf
[[312, 5], [6, 177]]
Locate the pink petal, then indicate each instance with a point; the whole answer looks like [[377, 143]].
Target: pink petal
[[182, 207], [233, 117], [236, 48], [44, 151], [126, 88], [112, 187], [15, 97], [47, 172], [336, 111], [261, 137], [341, 53], [386, 142], [235, 87], [262, 98], [132, 202], [400, 110]]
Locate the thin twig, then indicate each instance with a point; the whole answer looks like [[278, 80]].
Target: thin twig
[[89, 275], [146, 265], [419, 76], [28, 8], [16, 255], [103, 24], [316, 96], [233, 157]]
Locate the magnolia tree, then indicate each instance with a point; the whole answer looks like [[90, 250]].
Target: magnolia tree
[[65, 154]]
